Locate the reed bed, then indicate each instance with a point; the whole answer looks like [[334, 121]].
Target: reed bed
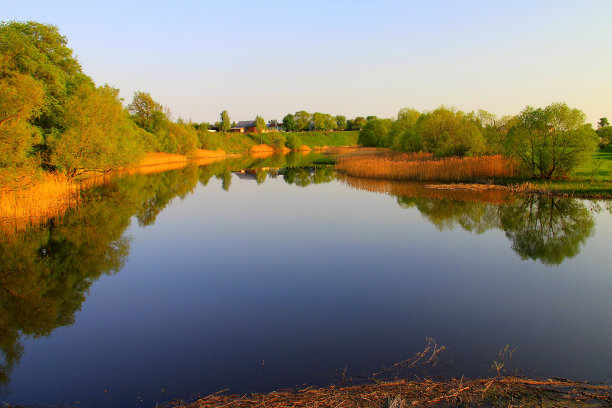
[[157, 158], [487, 193], [484, 392], [424, 167], [48, 196]]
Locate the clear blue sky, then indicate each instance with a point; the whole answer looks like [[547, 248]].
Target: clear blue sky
[[340, 57]]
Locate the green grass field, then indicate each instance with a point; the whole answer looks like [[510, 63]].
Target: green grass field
[[592, 179], [599, 169], [242, 142]]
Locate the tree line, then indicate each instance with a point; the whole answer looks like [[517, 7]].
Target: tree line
[[547, 142], [53, 116]]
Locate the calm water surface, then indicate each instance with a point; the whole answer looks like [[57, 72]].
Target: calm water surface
[[194, 280]]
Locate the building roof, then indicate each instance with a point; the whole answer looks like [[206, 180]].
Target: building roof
[[244, 124]]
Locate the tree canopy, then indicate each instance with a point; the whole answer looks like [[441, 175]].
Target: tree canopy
[[551, 141]]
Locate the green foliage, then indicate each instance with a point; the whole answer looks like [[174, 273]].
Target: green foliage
[[146, 112], [225, 123], [302, 120], [21, 98], [551, 141], [358, 123], [293, 142], [373, 133], [98, 135], [260, 124], [406, 121], [603, 122], [341, 122], [289, 123], [605, 136], [160, 134], [446, 132], [39, 51]]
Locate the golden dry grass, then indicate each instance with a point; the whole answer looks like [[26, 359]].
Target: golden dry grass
[[49, 196], [262, 148], [424, 167], [205, 154], [156, 158]]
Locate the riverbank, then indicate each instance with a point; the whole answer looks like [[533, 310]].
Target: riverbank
[[484, 392], [242, 143], [593, 180], [50, 195]]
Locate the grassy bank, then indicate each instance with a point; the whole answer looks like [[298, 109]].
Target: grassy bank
[[245, 142], [487, 392], [46, 195], [591, 180]]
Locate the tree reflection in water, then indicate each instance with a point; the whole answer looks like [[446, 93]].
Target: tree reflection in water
[[46, 272]]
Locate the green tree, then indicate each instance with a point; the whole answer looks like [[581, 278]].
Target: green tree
[[260, 124], [41, 52], [551, 141], [289, 123], [603, 122], [605, 136], [293, 142], [341, 122], [302, 120], [99, 136], [21, 98], [446, 132], [406, 120], [146, 112], [373, 132], [358, 123], [318, 119], [225, 123]]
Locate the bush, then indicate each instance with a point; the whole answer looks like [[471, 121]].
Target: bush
[[293, 142]]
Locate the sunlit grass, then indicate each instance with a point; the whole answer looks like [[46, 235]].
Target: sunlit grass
[[49, 196]]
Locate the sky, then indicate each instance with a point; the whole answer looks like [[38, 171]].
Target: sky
[[354, 58]]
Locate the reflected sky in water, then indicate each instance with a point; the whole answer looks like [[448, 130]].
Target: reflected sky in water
[[192, 288]]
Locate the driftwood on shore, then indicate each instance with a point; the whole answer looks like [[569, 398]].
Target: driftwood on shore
[[486, 392]]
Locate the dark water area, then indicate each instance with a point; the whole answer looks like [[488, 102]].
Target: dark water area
[[190, 281]]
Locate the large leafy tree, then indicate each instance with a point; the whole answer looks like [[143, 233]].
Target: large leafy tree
[[447, 132], [99, 135], [302, 120], [289, 122], [41, 52], [551, 141], [21, 98], [373, 132], [145, 111], [341, 122]]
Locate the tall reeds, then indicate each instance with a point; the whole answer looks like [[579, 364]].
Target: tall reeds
[[424, 167], [49, 196]]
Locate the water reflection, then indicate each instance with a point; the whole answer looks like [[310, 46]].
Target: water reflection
[[46, 272]]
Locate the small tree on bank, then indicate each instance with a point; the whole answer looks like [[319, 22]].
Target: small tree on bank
[[226, 123], [260, 124], [549, 142]]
